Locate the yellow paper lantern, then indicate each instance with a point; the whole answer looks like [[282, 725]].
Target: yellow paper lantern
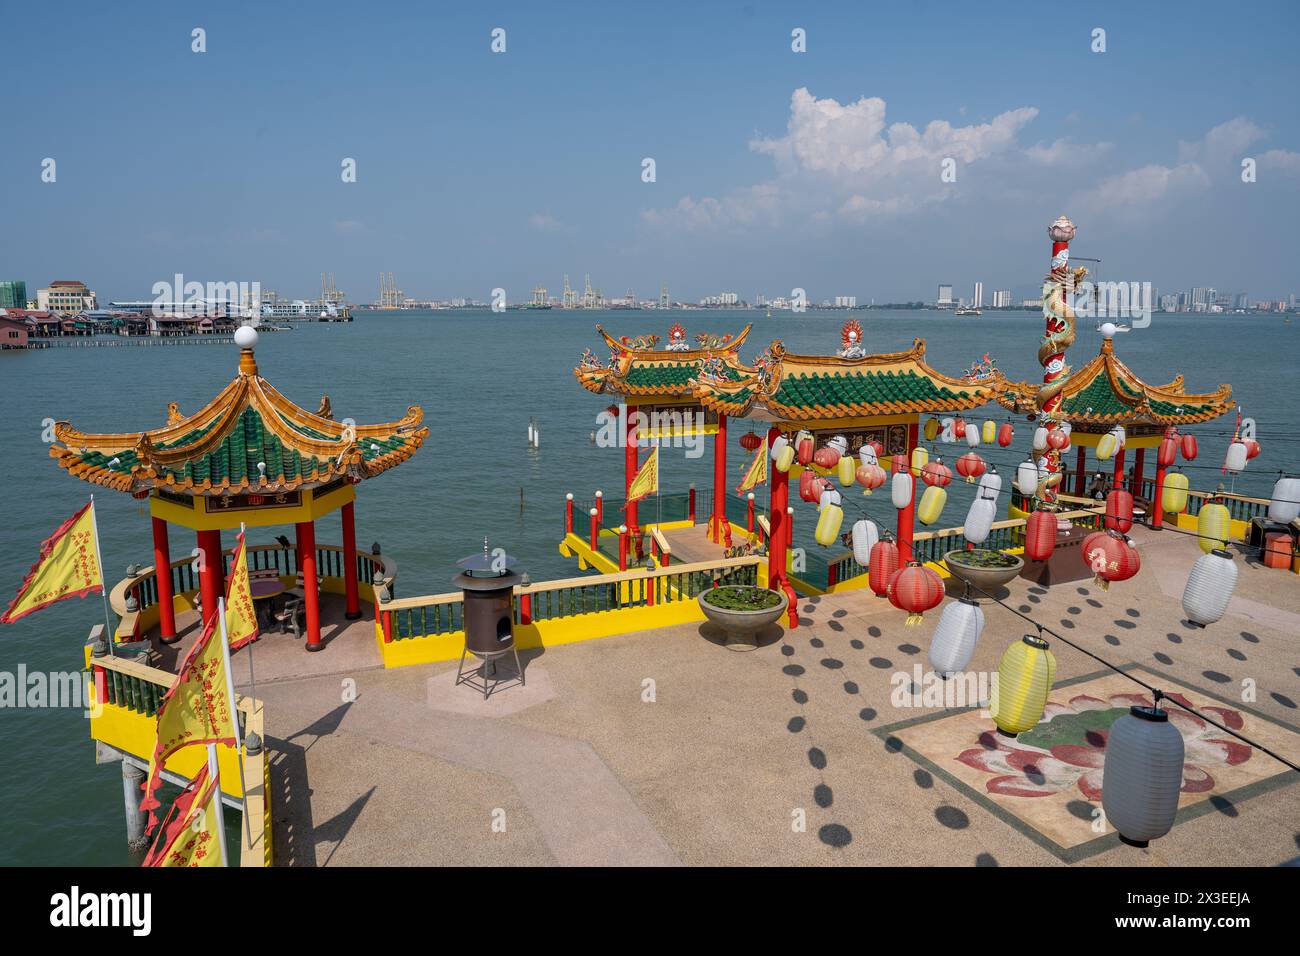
[[828, 525], [931, 506], [846, 469], [1173, 496], [1212, 525], [989, 432], [1107, 445], [785, 458], [1025, 677], [931, 429], [920, 458]]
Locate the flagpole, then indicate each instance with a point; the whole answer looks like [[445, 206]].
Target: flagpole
[[252, 681], [214, 771], [103, 586], [234, 714]]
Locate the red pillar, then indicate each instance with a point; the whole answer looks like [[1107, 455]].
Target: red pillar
[[568, 513], [631, 465], [778, 539], [1139, 462], [162, 572], [210, 572], [749, 513], [622, 547], [595, 529], [1081, 469], [311, 595], [353, 609], [719, 527], [1119, 468]]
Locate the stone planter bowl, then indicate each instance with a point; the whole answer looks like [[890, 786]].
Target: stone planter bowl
[[742, 627], [987, 579]]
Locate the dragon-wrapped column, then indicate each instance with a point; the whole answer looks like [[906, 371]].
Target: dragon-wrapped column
[[1059, 336]]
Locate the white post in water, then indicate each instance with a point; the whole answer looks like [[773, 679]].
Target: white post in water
[[132, 796]]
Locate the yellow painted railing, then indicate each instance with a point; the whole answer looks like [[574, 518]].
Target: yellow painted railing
[[124, 717], [430, 628], [135, 598]]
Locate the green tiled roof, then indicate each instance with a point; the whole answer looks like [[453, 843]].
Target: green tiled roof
[[1098, 399], [669, 375], [861, 388]]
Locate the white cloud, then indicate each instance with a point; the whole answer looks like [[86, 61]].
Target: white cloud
[[1063, 153], [1280, 159], [846, 160]]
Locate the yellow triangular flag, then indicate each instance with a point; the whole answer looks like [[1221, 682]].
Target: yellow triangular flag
[[241, 616], [197, 710], [192, 834], [67, 567], [757, 473], [646, 481]]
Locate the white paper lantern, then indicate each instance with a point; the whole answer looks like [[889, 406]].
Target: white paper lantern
[[1027, 478], [972, 435], [865, 536], [867, 455], [1285, 504], [900, 489], [947, 435], [829, 497], [1121, 436], [1209, 587], [777, 446], [840, 444], [1235, 459], [990, 483], [955, 637], [1040, 438], [1142, 775], [979, 520]]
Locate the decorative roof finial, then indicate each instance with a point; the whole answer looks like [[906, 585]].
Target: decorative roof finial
[[246, 339]]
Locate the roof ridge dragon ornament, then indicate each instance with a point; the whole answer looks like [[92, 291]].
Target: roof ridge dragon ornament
[[851, 341]]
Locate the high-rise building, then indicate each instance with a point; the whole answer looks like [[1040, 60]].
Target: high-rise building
[[1002, 299], [945, 296], [978, 299], [66, 296], [846, 302], [13, 294]]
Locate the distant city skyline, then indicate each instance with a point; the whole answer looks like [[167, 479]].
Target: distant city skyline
[[893, 154]]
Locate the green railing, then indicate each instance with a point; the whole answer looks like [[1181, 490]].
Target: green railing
[[444, 613]]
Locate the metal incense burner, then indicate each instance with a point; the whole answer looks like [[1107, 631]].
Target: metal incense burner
[[487, 584]]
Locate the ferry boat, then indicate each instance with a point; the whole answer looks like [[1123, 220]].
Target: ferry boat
[[967, 312]]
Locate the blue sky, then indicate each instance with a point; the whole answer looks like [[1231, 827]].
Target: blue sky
[[774, 169]]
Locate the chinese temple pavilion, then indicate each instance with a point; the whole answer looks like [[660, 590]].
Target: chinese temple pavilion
[[658, 383], [1105, 394], [249, 457], [853, 394]]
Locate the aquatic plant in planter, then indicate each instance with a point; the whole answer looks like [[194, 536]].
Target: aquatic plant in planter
[[983, 567], [742, 610]]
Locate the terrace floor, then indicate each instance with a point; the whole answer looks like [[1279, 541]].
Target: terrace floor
[[665, 748], [348, 646]]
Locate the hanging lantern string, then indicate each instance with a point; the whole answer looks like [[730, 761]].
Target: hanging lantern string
[[1159, 694]]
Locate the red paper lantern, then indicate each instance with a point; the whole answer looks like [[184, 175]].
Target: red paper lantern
[[1167, 451], [1040, 535], [915, 589], [803, 450], [1252, 447], [878, 448], [1058, 439], [1111, 556], [826, 457], [899, 463], [1189, 447], [811, 485], [936, 473], [750, 441], [1119, 511], [970, 466], [1006, 433], [870, 477], [881, 565], [959, 428]]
